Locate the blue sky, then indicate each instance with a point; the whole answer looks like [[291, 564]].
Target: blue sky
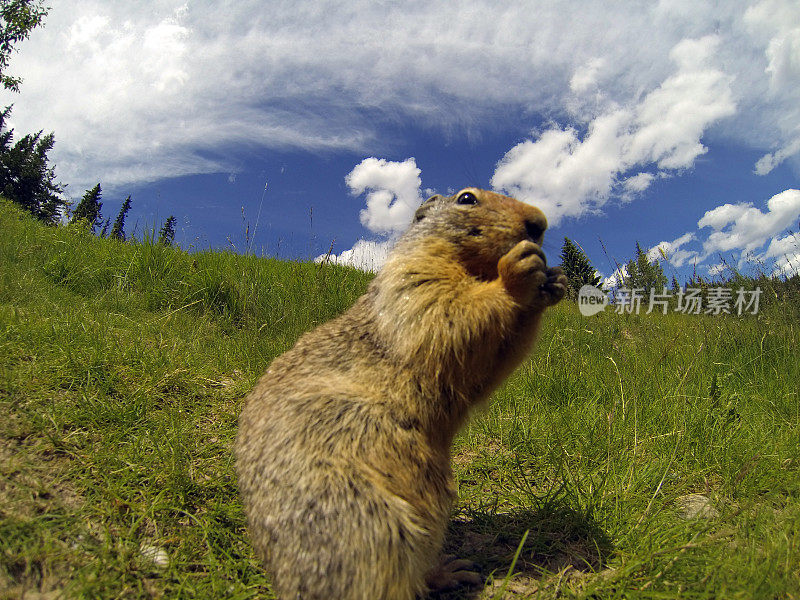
[[675, 124]]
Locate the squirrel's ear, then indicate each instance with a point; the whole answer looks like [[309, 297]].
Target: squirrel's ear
[[425, 207]]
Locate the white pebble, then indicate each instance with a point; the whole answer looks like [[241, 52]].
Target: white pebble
[[154, 554]]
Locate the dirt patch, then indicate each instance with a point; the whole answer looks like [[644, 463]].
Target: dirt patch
[[561, 548], [33, 489], [32, 476]]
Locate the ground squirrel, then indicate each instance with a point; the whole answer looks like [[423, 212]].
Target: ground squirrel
[[343, 450]]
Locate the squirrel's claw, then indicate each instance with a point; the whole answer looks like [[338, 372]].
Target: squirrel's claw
[[555, 287], [453, 573]]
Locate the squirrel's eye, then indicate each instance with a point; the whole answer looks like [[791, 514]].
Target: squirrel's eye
[[467, 198]]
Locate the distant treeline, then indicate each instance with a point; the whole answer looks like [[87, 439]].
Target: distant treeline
[[643, 274], [27, 179]]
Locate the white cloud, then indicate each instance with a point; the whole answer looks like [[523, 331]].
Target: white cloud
[[674, 252], [768, 162], [785, 252], [586, 76], [779, 21], [367, 255], [742, 230], [139, 91], [658, 252], [774, 26], [787, 265], [392, 196], [784, 246], [616, 278], [638, 183], [671, 119], [393, 193], [567, 174], [745, 228]]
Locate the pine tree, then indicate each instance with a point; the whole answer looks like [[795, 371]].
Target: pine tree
[[25, 176], [577, 268], [118, 229], [645, 274], [167, 234], [88, 208]]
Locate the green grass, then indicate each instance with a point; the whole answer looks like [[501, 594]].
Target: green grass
[[122, 368]]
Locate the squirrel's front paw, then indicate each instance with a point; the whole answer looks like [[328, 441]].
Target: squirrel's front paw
[[553, 290], [524, 273]]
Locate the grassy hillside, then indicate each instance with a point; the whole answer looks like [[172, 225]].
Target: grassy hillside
[[636, 456]]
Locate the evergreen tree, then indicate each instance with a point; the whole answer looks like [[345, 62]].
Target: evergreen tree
[[167, 234], [118, 229], [577, 268], [25, 176], [104, 230], [645, 274], [88, 208], [17, 19]]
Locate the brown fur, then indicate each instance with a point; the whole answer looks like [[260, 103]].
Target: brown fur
[[343, 452]]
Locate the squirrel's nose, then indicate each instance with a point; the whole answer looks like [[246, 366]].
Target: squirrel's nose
[[534, 229]]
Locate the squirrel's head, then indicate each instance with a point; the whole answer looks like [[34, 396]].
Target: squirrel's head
[[480, 225]]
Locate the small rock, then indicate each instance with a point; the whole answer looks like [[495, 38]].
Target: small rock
[[696, 506], [155, 555]]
